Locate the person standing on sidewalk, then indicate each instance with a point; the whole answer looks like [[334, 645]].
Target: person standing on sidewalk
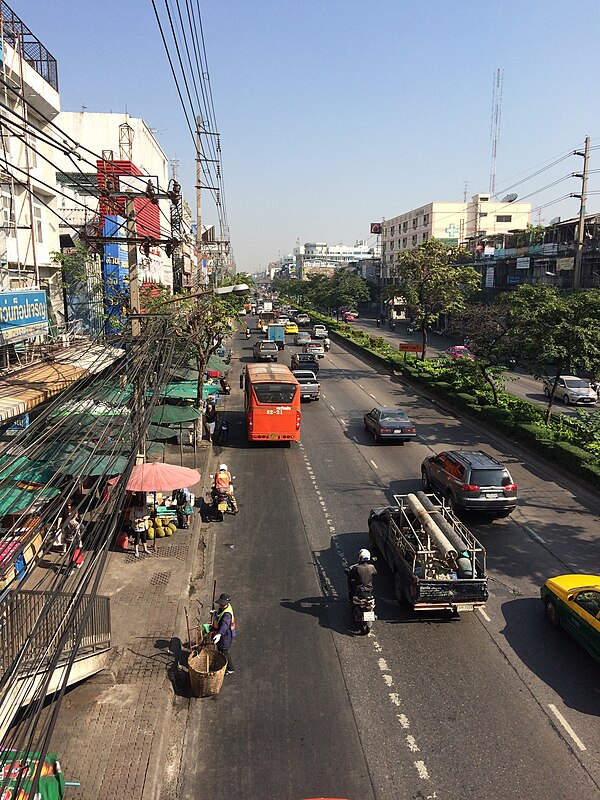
[[210, 419], [223, 629], [183, 499], [139, 523]]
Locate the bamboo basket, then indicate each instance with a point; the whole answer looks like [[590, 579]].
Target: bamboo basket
[[207, 670]]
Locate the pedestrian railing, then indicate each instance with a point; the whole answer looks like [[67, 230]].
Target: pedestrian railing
[[33, 623]]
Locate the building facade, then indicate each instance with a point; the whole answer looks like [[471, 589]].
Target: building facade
[[453, 223], [321, 258]]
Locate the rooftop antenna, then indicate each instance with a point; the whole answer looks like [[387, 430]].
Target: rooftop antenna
[[495, 126], [465, 192]]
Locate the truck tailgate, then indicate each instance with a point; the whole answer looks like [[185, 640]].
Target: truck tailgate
[[445, 594]]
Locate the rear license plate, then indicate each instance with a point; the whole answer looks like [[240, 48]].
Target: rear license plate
[[273, 436], [465, 607], [397, 430], [369, 616], [492, 495], [222, 506]]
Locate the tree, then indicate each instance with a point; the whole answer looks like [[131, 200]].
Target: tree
[[487, 333], [347, 289], [558, 333], [433, 279]]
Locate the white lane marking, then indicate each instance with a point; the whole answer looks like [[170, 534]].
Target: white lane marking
[[534, 535], [377, 647], [395, 698], [567, 727], [422, 770], [374, 464], [388, 680], [332, 408], [483, 614], [372, 395], [383, 666], [412, 745], [355, 439], [403, 720]]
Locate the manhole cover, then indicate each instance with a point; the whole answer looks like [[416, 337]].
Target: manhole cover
[[160, 579], [178, 551]]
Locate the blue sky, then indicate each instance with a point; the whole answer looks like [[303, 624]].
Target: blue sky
[[336, 113]]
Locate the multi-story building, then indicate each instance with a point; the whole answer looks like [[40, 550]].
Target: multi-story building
[[30, 101], [321, 258], [452, 223]]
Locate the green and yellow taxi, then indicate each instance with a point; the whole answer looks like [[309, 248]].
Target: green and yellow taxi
[[573, 602], [291, 327]]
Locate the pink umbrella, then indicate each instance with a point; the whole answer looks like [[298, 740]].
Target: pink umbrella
[[160, 477]]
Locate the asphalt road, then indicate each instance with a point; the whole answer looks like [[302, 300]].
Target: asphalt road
[[488, 705], [517, 381]]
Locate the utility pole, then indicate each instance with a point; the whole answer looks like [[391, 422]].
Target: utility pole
[[198, 202], [581, 226]]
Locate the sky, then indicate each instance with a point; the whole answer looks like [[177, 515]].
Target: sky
[[337, 113]]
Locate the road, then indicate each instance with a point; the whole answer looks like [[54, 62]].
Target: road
[[489, 705], [518, 382]]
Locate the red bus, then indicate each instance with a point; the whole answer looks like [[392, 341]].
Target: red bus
[[271, 403]]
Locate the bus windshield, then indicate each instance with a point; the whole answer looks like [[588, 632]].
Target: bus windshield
[[274, 392]]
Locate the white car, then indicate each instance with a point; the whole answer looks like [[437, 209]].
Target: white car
[[571, 389], [320, 332]]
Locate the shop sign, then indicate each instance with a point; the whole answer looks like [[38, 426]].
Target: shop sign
[[489, 278], [513, 280], [116, 274], [410, 347], [23, 315], [564, 263], [523, 263]]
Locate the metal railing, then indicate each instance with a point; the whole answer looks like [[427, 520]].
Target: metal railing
[[20, 615], [18, 35]]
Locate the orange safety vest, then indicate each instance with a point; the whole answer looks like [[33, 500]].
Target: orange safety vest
[[218, 617], [223, 481]]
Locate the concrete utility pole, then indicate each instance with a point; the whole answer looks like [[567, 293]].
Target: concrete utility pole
[[198, 201], [581, 226]]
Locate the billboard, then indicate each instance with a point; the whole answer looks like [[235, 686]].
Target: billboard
[[115, 270], [564, 264], [376, 227], [23, 315], [523, 263]]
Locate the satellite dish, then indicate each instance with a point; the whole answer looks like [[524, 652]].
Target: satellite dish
[[510, 198]]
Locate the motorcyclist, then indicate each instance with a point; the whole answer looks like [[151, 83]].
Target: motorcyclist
[[248, 333], [223, 485], [361, 574], [326, 343]]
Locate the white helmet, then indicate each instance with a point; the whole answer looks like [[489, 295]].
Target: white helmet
[[364, 555], [222, 467]]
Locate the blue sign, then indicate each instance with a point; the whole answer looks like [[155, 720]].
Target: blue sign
[[23, 315], [514, 279], [16, 426], [116, 275]]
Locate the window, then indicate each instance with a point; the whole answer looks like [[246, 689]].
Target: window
[[37, 224], [425, 236], [414, 223], [404, 242], [8, 213], [425, 219], [414, 240], [399, 244], [274, 392], [504, 218], [392, 229], [31, 151], [404, 227], [483, 213]]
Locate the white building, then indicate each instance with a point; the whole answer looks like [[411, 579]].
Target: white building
[[128, 139], [319, 257], [452, 223], [29, 229]]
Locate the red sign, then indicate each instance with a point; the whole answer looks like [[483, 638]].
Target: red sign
[[410, 347]]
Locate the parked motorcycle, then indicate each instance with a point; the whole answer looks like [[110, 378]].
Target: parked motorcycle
[[225, 386]]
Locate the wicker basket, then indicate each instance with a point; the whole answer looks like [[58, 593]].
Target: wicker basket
[[207, 670]]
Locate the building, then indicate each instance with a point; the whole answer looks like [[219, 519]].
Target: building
[[323, 259], [128, 143], [452, 223], [30, 101]]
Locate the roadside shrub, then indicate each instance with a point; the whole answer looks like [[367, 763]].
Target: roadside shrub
[[570, 456], [535, 432]]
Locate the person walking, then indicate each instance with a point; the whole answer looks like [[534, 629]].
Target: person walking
[[210, 420], [223, 629]]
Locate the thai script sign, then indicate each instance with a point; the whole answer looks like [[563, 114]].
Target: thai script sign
[[23, 315], [523, 263], [564, 263]]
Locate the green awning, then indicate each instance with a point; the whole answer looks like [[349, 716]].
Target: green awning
[[186, 374], [184, 390], [215, 362], [91, 466], [174, 415], [14, 500], [116, 395], [11, 466]]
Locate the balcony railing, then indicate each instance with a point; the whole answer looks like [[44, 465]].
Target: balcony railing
[[20, 38]]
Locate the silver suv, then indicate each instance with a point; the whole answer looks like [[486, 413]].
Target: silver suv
[[471, 481]]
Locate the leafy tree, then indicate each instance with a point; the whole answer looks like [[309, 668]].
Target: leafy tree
[[487, 332], [558, 333], [433, 279], [346, 289]]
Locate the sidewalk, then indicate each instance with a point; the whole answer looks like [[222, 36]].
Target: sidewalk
[[112, 730]]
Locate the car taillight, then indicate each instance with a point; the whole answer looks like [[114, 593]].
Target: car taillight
[[297, 420], [410, 430], [250, 419], [468, 487], [511, 487], [319, 386], [385, 430]]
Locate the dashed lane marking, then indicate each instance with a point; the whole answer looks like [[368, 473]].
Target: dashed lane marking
[[412, 745], [567, 727], [383, 665], [374, 464], [422, 770], [355, 439], [484, 614]]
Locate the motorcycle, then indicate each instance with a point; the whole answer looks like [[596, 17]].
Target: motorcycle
[[223, 432], [363, 607], [410, 328], [248, 333], [221, 504], [225, 386]]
